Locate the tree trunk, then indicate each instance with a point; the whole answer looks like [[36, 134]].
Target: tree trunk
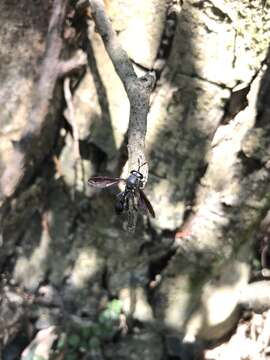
[[208, 155]]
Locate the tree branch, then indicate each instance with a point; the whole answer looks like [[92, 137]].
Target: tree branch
[[256, 296], [138, 89], [65, 67]]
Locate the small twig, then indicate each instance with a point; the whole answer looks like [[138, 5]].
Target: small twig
[[138, 89], [70, 116], [255, 296], [67, 66]]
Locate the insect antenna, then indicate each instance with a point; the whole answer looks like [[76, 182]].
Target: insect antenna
[[140, 166]]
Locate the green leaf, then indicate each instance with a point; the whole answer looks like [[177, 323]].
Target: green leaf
[[83, 345], [61, 342], [87, 331], [116, 306], [71, 356], [105, 316], [94, 343], [97, 330], [74, 340]]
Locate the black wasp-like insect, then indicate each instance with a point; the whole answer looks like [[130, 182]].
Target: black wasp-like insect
[[129, 200]]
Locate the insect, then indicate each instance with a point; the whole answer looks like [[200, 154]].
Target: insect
[[129, 200]]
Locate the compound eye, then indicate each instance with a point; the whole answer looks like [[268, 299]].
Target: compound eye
[[137, 174]]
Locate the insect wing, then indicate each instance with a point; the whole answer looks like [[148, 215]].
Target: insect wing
[[103, 181], [142, 205], [145, 204]]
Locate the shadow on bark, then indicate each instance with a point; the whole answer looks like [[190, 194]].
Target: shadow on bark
[[46, 250]]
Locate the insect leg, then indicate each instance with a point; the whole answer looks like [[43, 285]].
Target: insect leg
[[120, 203]]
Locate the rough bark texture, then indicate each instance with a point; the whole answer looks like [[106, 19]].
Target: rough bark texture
[[29, 149], [208, 154], [138, 89]]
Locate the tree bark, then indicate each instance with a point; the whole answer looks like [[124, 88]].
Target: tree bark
[[206, 146]]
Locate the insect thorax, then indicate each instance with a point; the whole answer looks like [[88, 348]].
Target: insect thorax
[[134, 181]]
